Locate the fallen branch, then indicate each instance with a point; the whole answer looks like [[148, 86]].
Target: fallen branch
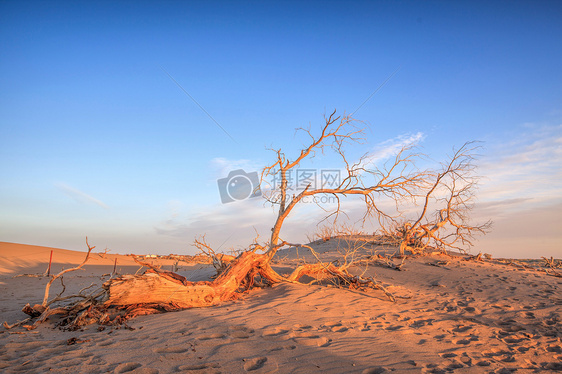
[[386, 262], [8, 327], [517, 264], [552, 273], [146, 264], [440, 264], [478, 257], [552, 262]]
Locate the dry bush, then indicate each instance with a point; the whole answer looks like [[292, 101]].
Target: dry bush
[[346, 229], [325, 233], [443, 204], [335, 230]]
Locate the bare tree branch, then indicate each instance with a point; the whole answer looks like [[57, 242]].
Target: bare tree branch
[[54, 277], [398, 181]]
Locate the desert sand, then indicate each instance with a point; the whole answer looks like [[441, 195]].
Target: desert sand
[[450, 315]]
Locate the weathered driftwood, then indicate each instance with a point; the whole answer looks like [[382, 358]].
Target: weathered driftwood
[[162, 287], [167, 288]]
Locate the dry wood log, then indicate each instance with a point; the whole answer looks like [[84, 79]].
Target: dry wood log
[[161, 287], [167, 288]]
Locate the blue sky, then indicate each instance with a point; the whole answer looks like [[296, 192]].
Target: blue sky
[[97, 140]]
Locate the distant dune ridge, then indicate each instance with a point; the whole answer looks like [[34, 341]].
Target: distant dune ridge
[[453, 314], [15, 258]]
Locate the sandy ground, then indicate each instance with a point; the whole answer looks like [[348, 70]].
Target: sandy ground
[[462, 317]]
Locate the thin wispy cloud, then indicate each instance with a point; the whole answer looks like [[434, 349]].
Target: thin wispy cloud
[[79, 196], [222, 166], [391, 147], [526, 169], [244, 213], [492, 205], [226, 226]]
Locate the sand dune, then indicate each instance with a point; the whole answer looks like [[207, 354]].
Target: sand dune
[[31, 259], [463, 316]]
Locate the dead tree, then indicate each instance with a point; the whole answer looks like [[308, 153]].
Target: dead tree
[[448, 194], [398, 180]]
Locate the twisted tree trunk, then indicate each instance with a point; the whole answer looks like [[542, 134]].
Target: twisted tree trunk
[[169, 289]]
